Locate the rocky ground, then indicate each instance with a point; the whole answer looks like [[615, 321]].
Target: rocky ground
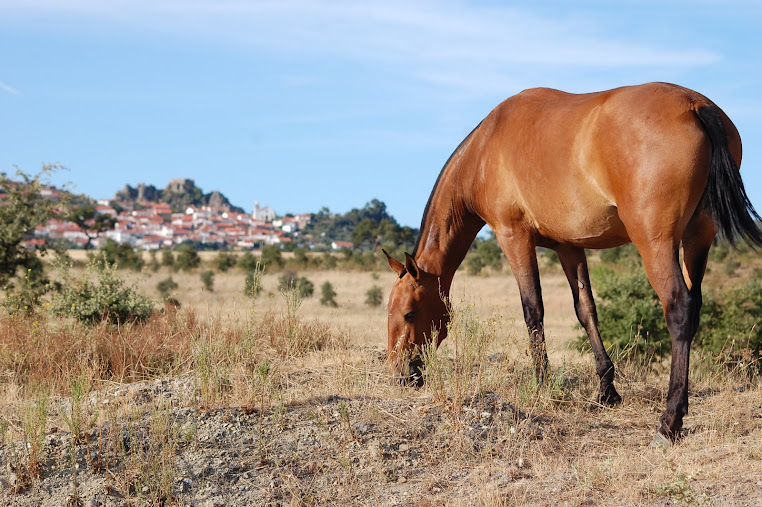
[[149, 447]]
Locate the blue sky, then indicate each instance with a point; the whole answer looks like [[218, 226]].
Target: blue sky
[[302, 104]]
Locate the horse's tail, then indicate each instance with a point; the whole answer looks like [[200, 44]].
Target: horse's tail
[[725, 197]]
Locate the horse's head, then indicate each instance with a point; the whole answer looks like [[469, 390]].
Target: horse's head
[[416, 313]]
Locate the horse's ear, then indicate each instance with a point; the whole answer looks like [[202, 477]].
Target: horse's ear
[[412, 267], [396, 265]]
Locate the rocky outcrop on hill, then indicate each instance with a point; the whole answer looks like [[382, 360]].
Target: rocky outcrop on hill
[[179, 193]]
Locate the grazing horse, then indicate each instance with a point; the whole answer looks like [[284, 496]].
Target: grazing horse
[[655, 164]]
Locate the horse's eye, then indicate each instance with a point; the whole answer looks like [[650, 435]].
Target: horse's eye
[[409, 316]]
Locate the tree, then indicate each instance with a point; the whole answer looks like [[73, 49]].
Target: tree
[[23, 208], [365, 231]]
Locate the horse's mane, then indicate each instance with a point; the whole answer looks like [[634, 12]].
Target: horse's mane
[[436, 184]]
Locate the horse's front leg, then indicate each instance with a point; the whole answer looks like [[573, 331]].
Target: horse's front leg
[[519, 248], [574, 262]]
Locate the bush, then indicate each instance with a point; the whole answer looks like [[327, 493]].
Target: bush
[[25, 296], [374, 296], [290, 280], [328, 261], [166, 286], [154, 264], [484, 253], [187, 257], [271, 257], [168, 259], [731, 324], [629, 312], [225, 261], [248, 262], [624, 253], [631, 318], [731, 265], [122, 255], [328, 295], [300, 258], [207, 278], [109, 300], [253, 282]]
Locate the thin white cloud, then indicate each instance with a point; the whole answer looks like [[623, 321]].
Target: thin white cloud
[[8, 89], [421, 36]]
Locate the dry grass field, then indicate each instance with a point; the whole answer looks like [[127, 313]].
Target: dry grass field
[[230, 401]]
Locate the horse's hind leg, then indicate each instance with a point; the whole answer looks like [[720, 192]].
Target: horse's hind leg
[[679, 291], [519, 248], [574, 263], [697, 240]]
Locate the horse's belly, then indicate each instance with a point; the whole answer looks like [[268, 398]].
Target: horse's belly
[[587, 226]]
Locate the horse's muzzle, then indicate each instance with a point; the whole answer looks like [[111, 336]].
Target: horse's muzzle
[[414, 375]]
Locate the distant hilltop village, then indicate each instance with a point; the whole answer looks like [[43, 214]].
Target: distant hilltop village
[[151, 218]]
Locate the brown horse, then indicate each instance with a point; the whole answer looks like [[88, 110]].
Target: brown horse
[[655, 164]]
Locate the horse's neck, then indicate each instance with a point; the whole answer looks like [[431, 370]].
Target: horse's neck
[[448, 228]]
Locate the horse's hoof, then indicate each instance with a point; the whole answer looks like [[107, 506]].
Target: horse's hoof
[[609, 397], [660, 441]]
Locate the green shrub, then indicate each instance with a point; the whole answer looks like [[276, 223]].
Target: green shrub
[[300, 258], [207, 278], [328, 295], [166, 286], [731, 265], [168, 259], [629, 312], [374, 296], [484, 253], [225, 261], [719, 251], [122, 255], [731, 324], [154, 264], [328, 261], [290, 280], [624, 253], [474, 264], [631, 318], [24, 292], [187, 257], [108, 299], [305, 287], [271, 257], [248, 262], [253, 282]]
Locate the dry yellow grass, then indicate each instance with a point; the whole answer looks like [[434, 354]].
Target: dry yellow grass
[[498, 441]]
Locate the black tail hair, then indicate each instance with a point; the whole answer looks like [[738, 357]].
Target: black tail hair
[[725, 197]]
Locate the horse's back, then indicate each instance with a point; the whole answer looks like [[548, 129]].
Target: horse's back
[[577, 166]]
